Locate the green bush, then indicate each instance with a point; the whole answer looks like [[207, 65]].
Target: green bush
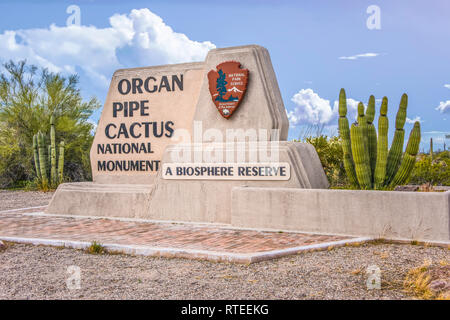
[[330, 154], [435, 172], [28, 98]]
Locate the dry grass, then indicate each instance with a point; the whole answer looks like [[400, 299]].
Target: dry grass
[[418, 280]]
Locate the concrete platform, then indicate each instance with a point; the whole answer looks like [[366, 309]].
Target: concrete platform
[[393, 215], [193, 241], [97, 199]]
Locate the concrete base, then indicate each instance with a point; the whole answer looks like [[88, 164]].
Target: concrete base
[[95, 199], [379, 214], [210, 200]]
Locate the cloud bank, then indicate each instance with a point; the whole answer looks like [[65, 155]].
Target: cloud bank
[[311, 109], [139, 38]]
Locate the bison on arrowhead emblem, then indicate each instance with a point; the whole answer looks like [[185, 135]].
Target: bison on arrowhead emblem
[[227, 86]]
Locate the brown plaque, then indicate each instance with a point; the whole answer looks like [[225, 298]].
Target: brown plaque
[[227, 86]]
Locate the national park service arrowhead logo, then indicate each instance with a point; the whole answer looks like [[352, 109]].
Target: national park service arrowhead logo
[[227, 86]]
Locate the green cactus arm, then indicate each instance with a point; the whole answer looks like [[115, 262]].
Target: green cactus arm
[[42, 160], [360, 156], [61, 162], [409, 157], [362, 122], [370, 112], [371, 134], [395, 153], [52, 155], [344, 133], [382, 146], [36, 156], [342, 103]]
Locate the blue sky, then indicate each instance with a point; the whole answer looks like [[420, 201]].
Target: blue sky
[[316, 47]]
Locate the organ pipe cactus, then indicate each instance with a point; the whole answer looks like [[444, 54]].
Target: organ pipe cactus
[[49, 172], [382, 146], [371, 134], [360, 155], [42, 160], [36, 156], [395, 153], [344, 132], [53, 151], [366, 156], [409, 158], [61, 162]]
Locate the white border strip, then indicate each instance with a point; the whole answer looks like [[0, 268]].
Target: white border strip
[[22, 209], [187, 253]]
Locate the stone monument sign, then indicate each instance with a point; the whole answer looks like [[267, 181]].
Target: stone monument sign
[[174, 141]]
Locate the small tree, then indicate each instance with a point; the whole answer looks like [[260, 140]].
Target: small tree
[[29, 96]]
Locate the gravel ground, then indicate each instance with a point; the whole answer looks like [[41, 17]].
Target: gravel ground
[[37, 272], [23, 199]]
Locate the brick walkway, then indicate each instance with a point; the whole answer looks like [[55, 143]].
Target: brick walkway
[[160, 239]]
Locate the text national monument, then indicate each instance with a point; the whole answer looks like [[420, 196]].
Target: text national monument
[[178, 142]]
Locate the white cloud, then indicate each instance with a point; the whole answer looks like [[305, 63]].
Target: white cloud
[[311, 109], [361, 55], [412, 121], [447, 86], [444, 107], [139, 38]]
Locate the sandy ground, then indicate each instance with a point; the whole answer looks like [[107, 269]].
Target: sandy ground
[[38, 272]]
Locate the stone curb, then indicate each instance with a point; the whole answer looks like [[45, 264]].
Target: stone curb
[[189, 253]]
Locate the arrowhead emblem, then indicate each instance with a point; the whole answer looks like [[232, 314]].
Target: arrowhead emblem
[[227, 85]]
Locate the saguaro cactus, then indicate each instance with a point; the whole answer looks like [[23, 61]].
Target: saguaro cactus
[[374, 165], [344, 132], [382, 146]]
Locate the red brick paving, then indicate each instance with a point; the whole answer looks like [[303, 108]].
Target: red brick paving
[[156, 235]]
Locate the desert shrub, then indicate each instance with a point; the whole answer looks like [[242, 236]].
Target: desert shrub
[[435, 172], [330, 154]]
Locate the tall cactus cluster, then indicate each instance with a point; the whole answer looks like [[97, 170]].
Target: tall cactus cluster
[[48, 172], [367, 161]]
